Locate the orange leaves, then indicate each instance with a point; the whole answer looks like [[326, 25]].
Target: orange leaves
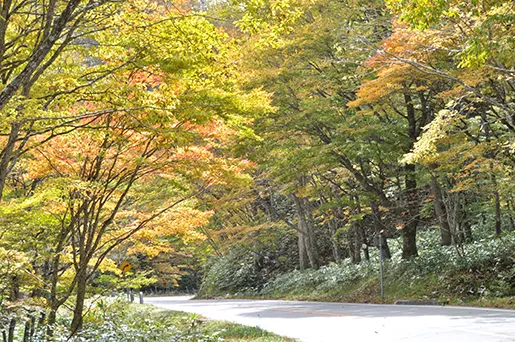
[[399, 65], [182, 222], [389, 80]]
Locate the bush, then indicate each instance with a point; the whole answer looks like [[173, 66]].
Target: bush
[[483, 268], [117, 321], [232, 273]]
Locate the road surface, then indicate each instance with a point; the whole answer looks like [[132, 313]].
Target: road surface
[[328, 322]]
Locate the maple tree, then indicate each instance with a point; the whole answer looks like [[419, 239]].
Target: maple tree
[[155, 109], [366, 136], [273, 135]]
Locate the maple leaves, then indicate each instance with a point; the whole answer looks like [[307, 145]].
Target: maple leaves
[[123, 131]]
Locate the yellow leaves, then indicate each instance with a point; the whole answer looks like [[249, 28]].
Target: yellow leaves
[[12, 260], [107, 265], [270, 20], [425, 149]]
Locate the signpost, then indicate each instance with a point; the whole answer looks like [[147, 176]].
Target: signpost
[[125, 267]]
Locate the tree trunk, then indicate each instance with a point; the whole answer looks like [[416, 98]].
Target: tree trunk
[[459, 233], [497, 205], [303, 255], [12, 327], [54, 302], [497, 199], [355, 244], [52, 317], [498, 229], [441, 214], [379, 226], [333, 227], [6, 155], [409, 231], [79, 301], [467, 229], [510, 215], [362, 232], [26, 332], [306, 229], [15, 289], [409, 241]]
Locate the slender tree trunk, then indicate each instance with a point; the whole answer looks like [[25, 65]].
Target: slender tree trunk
[[497, 205], [26, 332], [303, 255], [497, 199], [52, 317], [32, 327], [355, 244], [465, 222], [409, 231], [366, 254], [79, 301], [467, 230], [441, 214], [362, 232], [15, 289], [333, 226], [498, 229], [459, 231], [379, 226], [306, 229], [12, 327], [54, 302], [510, 215]]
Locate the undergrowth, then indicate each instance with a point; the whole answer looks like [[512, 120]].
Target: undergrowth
[[480, 273], [111, 320]]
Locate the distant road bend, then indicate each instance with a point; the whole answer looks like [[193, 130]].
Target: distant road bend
[[328, 322]]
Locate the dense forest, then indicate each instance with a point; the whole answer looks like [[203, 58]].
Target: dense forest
[[256, 147]]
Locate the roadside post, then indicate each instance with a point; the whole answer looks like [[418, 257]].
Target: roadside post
[[141, 297]]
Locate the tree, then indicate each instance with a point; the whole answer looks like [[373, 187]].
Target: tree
[[35, 41], [473, 36], [162, 102]]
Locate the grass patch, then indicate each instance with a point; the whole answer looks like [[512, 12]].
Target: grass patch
[[236, 332], [118, 321]]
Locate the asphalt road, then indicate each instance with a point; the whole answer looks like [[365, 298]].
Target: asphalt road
[[327, 322]]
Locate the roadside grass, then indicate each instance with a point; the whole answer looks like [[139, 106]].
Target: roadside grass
[[118, 321], [233, 332]]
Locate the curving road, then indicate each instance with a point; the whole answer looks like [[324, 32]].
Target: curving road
[[328, 322]]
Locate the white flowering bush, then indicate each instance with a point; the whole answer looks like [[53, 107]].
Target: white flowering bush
[[116, 320], [484, 255]]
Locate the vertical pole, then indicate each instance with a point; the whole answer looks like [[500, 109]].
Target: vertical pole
[[141, 297], [381, 263]]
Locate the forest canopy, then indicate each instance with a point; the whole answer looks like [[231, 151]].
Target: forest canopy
[[241, 140]]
